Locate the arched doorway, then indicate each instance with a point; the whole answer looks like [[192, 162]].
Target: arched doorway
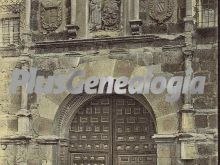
[[112, 130]]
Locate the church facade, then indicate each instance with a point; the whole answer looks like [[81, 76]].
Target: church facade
[[105, 38]]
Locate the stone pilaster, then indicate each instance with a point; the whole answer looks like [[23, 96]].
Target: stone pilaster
[[187, 111], [72, 28], [134, 21], [24, 115], [64, 151], [189, 23], [166, 149], [26, 33], [187, 129]]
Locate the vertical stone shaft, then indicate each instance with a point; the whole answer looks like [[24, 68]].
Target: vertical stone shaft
[[189, 8], [73, 12], [136, 10], [24, 114], [28, 15], [24, 95]]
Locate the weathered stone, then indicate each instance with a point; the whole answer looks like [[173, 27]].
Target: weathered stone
[[206, 149], [214, 160], [172, 68], [209, 66], [203, 161], [201, 121], [213, 121]]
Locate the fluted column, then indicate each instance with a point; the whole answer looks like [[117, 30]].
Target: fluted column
[[72, 28], [135, 22], [73, 12]]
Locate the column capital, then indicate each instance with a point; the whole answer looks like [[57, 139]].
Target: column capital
[[47, 139], [136, 26], [187, 108], [72, 31], [164, 138], [24, 113], [188, 53]]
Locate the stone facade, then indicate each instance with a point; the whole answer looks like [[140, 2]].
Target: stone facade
[[108, 38]]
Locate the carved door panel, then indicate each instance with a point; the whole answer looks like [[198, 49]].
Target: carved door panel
[[91, 135], [112, 130], [133, 129]]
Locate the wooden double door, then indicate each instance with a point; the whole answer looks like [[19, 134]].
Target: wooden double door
[[112, 130]]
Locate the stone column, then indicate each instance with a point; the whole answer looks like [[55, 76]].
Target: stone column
[[188, 148], [189, 22], [28, 14], [135, 22], [26, 34], [187, 112], [23, 114], [64, 154], [166, 149], [136, 9], [73, 28]]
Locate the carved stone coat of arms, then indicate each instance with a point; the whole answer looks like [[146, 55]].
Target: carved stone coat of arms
[[51, 14], [161, 10]]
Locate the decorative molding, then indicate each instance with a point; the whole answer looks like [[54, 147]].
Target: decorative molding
[[72, 31], [164, 138], [136, 27], [88, 43], [72, 103]]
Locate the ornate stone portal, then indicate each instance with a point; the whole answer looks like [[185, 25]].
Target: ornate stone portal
[[104, 15], [112, 130]]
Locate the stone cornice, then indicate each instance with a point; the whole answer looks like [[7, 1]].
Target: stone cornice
[[102, 42], [15, 139]]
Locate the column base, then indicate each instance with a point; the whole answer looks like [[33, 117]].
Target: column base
[[189, 24], [136, 27], [72, 31]]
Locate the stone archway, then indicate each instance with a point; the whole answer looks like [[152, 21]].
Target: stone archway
[[164, 114], [110, 130]]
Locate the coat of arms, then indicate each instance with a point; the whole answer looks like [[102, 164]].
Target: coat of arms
[[50, 14], [161, 10]]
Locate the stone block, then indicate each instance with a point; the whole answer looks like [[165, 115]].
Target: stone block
[[203, 161], [201, 121], [213, 121], [171, 68], [188, 150], [205, 54], [210, 89], [214, 160], [209, 66], [206, 149]]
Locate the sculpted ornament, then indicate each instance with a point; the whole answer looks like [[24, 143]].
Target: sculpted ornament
[[104, 14], [111, 15], [51, 14], [161, 10]]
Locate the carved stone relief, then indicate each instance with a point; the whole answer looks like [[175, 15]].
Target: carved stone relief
[[50, 14], [161, 10], [104, 15], [95, 15]]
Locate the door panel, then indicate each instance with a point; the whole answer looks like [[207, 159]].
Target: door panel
[[112, 130]]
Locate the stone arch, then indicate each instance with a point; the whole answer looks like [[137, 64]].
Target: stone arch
[[72, 103], [165, 114]]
